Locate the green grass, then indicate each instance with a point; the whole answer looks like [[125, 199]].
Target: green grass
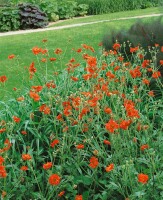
[[109, 16], [21, 46]]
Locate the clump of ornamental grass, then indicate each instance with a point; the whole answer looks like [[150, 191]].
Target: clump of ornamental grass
[[91, 131]]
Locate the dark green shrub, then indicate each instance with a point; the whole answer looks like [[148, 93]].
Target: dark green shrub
[[31, 16], [9, 19]]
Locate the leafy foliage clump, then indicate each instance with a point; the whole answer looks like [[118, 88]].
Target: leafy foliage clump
[[31, 16], [9, 18]]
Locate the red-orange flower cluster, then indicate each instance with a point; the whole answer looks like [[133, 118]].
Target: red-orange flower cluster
[[109, 167], [54, 179], [47, 165], [45, 109], [111, 126], [3, 79], [143, 178], [93, 162], [54, 143], [26, 157]]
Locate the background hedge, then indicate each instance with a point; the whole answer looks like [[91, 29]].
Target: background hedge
[[110, 6]]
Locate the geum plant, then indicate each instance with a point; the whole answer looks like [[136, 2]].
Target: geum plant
[[91, 131]]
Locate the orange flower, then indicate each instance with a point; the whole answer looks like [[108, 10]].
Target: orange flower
[[61, 193], [92, 61], [162, 49], [24, 132], [151, 93], [144, 146], [58, 51], [149, 69], [133, 113], [145, 63], [116, 46], [59, 117], [4, 194], [54, 179], [37, 88], [53, 59], [1, 160], [111, 126], [79, 50], [140, 56], [45, 109], [132, 50], [36, 50], [93, 102], [3, 79], [143, 178], [146, 81], [50, 85], [2, 130], [74, 78], [43, 60], [20, 99], [93, 162], [34, 96], [72, 60], [55, 142], [47, 165], [125, 124], [11, 56], [7, 146], [85, 46], [87, 76], [80, 146], [110, 75], [107, 142], [116, 68], [78, 197], [32, 69], [135, 72], [24, 168], [120, 58], [26, 157], [109, 167], [3, 172], [161, 62], [156, 74], [16, 119], [108, 110]]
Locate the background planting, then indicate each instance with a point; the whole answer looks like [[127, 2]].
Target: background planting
[[107, 6]]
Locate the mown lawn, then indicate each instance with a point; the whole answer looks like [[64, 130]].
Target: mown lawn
[[109, 16]]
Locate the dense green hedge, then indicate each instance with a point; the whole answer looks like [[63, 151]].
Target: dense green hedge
[[106, 6]]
